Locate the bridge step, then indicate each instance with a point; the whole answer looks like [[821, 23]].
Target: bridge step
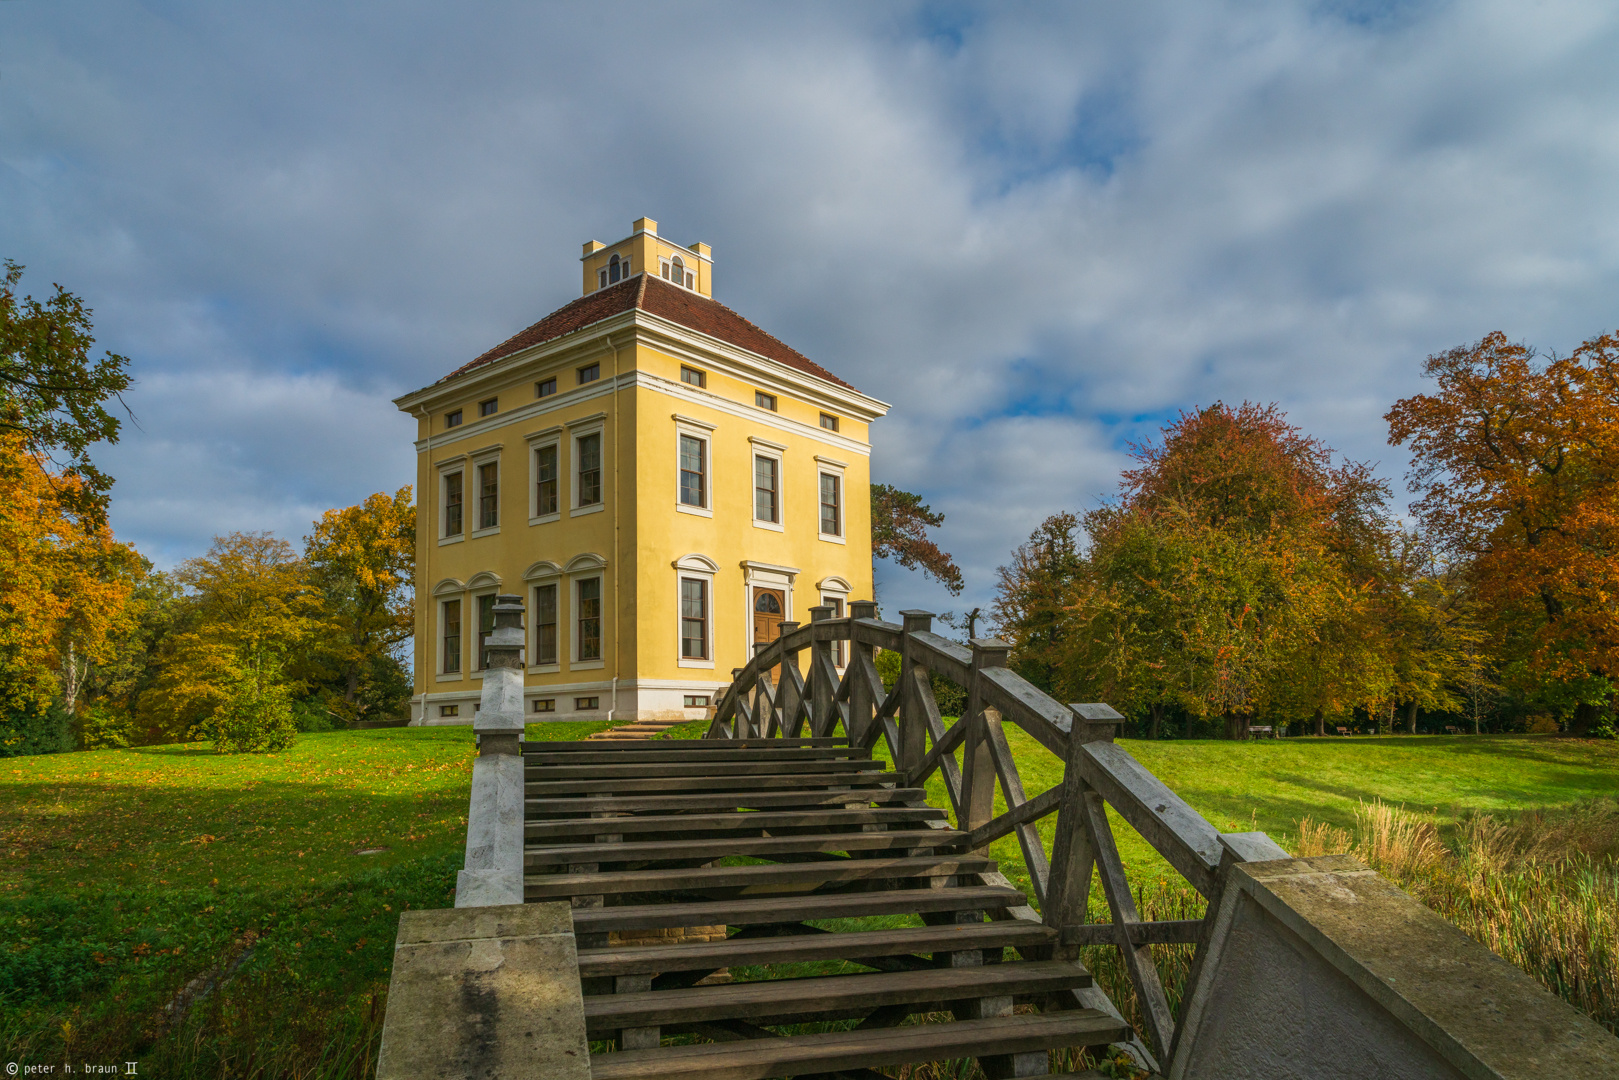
[[614, 756], [637, 745], [756, 847], [816, 945], [755, 878], [640, 770], [736, 800], [695, 824], [748, 911], [788, 1001], [762, 1059], [773, 782]]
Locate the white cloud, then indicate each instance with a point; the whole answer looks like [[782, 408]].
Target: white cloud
[[1037, 231]]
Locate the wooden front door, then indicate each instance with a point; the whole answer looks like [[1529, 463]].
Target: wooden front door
[[768, 608]]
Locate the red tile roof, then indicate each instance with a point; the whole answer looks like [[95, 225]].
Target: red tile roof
[[658, 297]]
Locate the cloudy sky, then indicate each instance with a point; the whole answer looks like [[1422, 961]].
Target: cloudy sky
[[1039, 230]]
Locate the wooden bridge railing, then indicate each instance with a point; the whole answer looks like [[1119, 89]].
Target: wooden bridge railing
[[974, 757]]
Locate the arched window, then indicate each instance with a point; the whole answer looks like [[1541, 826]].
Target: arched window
[[612, 269], [768, 603], [677, 271]]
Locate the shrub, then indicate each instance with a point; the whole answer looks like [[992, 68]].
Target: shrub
[[255, 717], [27, 728], [105, 727]]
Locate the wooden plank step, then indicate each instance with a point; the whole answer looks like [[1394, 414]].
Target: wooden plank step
[[695, 823], [753, 846], [763, 1059], [695, 879], [613, 757], [636, 769], [755, 799], [684, 744], [804, 948], [784, 998], [757, 910], [717, 783]]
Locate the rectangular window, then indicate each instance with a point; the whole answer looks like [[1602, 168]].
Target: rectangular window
[[696, 701], [545, 624], [452, 637], [452, 504], [831, 504], [548, 704], [589, 449], [839, 657], [488, 495], [829, 421], [489, 408], [545, 387], [590, 619], [601, 278], [586, 704], [692, 375], [693, 471], [764, 400], [693, 619], [589, 373], [545, 473], [449, 710], [452, 419], [486, 626], [766, 489]]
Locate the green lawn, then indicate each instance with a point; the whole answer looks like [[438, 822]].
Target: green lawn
[[126, 874]]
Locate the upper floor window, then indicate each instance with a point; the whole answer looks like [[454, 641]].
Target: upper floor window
[[545, 387], [829, 421], [766, 489], [693, 376], [452, 504], [489, 408], [452, 419], [588, 451], [831, 504], [489, 495], [764, 400], [545, 480], [614, 272], [589, 373], [693, 470]]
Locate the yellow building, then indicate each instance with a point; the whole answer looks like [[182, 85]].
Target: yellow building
[[663, 482]]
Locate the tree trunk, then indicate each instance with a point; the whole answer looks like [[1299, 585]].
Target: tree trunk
[[1320, 722], [1585, 716], [1156, 709], [1233, 725], [1411, 717]]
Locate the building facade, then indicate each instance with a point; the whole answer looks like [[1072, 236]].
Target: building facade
[[662, 481]]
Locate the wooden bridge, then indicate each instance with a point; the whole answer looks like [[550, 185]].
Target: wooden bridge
[[779, 898]]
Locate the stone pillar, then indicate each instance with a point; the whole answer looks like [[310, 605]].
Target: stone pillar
[[494, 863]]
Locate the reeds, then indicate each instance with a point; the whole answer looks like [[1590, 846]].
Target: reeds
[[1541, 888]]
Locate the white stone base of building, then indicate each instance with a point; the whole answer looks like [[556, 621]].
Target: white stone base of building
[[632, 700]]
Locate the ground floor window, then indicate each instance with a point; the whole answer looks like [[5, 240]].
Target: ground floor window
[[696, 701], [586, 704], [590, 619], [545, 704], [545, 623], [452, 638], [693, 619], [449, 710]]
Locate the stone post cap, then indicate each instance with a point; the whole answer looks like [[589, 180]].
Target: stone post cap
[[990, 652]]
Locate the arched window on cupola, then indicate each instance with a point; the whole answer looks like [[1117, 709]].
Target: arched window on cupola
[[612, 269], [677, 271]]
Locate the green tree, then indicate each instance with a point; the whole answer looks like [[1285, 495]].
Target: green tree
[[53, 395], [900, 522], [1035, 598]]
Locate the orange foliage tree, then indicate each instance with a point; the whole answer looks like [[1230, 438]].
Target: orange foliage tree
[[1516, 460]]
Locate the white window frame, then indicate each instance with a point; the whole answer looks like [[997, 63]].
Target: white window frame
[[443, 593], [778, 453], [543, 573], [696, 429], [475, 464], [580, 568], [479, 585], [828, 467], [538, 441], [835, 594], [698, 568], [447, 469], [577, 430]]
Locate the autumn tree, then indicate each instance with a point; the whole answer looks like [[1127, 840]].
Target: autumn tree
[[900, 522], [1035, 597], [1516, 462], [363, 559], [53, 395]]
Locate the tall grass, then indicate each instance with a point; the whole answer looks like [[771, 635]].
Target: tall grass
[[1541, 888]]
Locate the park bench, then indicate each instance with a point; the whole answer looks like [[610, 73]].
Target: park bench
[[1261, 731]]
